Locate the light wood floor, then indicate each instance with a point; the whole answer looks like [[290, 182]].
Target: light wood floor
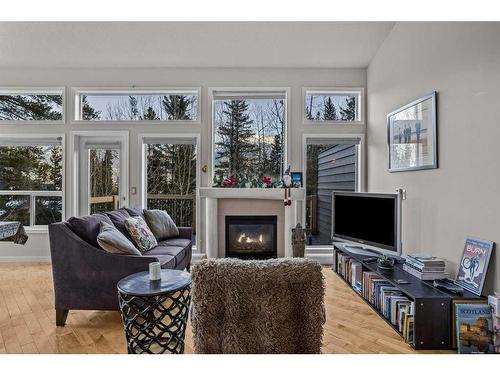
[[27, 320]]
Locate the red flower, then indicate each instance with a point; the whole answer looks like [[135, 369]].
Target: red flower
[[266, 180], [229, 182]]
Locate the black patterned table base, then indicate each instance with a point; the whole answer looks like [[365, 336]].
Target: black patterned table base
[[155, 324]]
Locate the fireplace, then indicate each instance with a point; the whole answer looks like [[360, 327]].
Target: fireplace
[[251, 237]]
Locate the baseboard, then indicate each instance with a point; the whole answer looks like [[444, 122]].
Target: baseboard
[[12, 259]]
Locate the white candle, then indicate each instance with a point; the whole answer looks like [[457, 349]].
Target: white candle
[[154, 271]]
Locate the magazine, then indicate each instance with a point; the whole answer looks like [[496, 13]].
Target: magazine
[[474, 265], [474, 329]]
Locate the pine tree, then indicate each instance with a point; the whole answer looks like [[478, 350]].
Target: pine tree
[[133, 110], [276, 157], [150, 114], [348, 113], [89, 113], [329, 110], [30, 107], [177, 107], [235, 146]]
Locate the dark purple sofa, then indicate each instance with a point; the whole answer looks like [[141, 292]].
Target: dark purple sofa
[[85, 276]]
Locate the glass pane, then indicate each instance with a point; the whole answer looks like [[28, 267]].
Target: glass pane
[[48, 210], [249, 138], [331, 107], [329, 168], [31, 107], [104, 180], [171, 181], [31, 168], [151, 107], [15, 208]]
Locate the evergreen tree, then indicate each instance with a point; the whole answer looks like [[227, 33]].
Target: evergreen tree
[[348, 113], [133, 110], [30, 107], [177, 107], [235, 147], [89, 113], [276, 157], [329, 110], [150, 114]]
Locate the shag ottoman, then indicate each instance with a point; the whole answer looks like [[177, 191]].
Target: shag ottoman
[[270, 306]]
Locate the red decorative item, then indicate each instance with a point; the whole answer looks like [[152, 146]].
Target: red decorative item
[[229, 182], [266, 180], [287, 201]]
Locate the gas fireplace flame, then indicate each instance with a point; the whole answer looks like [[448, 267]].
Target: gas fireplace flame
[[244, 239]]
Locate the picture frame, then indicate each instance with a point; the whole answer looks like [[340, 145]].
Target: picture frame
[[412, 135], [473, 265], [297, 181]]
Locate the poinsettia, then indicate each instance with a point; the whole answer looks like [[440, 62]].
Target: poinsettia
[[229, 182], [266, 180]]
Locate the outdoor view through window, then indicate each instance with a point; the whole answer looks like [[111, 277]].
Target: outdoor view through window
[[249, 138], [331, 106], [36, 107]]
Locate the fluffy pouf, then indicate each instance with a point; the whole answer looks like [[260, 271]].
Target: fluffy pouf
[[271, 306]]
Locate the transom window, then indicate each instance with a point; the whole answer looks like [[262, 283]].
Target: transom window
[[31, 180], [137, 105], [22, 105], [322, 106], [249, 136]]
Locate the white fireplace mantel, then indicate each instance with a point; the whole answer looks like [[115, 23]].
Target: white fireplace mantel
[[211, 195]]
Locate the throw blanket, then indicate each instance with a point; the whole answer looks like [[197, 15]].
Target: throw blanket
[[273, 306], [13, 231]]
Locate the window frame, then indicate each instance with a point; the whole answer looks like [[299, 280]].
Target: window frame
[[212, 96], [361, 170], [76, 93], [42, 90], [36, 193], [142, 188], [360, 91]]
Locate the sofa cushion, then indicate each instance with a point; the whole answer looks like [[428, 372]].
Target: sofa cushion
[[161, 224], [140, 233], [166, 261], [181, 242], [113, 241], [179, 253], [88, 227], [135, 211], [118, 218]]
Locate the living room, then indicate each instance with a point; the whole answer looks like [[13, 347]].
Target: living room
[[249, 187]]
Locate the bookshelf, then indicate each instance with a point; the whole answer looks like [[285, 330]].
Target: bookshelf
[[432, 308]]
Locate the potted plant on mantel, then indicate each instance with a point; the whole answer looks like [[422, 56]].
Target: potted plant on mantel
[[243, 182]]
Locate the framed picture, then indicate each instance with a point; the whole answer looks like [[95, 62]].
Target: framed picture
[[412, 135], [296, 179], [474, 265]]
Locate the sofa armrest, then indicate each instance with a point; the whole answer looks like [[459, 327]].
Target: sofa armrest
[[85, 277], [185, 232]]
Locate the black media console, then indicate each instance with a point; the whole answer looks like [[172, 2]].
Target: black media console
[[432, 307]]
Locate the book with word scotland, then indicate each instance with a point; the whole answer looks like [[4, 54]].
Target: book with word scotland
[[474, 329]]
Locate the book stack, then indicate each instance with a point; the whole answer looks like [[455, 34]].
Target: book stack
[[390, 302], [494, 302], [425, 267]]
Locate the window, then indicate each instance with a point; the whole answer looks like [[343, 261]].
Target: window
[[31, 180], [170, 179], [20, 105], [135, 105], [249, 135], [104, 178], [332, 106], [331, 165]]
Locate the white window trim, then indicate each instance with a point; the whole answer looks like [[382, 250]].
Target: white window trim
[[77, 91], [45, 90], [123, 136], [354, 90], [245, 90], [361, 168], [142, 189], [61, 193]]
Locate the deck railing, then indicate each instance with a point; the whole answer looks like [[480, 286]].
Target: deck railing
[[312, 214]]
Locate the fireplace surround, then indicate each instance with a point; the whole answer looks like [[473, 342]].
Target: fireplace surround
[[251, 237]]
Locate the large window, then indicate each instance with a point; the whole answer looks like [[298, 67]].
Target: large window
[[249, 135], [323, 106], [31, 181], [137, 105], [19, 105]]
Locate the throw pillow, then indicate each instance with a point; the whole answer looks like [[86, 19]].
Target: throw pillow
[[88, 227], [161, 224], [113, 241], [140, 233]]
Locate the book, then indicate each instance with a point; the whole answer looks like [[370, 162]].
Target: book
[[426, 260], [474, 325], [423, 276], [496, 333], [474, 264], [424, 268]]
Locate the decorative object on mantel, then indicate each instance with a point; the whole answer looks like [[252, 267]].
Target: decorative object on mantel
[[474, 264], [412, 135], [243, 182], [296, 179], [287, 183], [13, 231], [298, 241]]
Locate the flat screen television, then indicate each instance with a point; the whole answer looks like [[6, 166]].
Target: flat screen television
[[372, 220]]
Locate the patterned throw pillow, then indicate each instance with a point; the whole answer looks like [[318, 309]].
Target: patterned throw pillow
[[140, 233]]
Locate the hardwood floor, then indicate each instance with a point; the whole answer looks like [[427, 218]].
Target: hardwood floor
[[27, 320]]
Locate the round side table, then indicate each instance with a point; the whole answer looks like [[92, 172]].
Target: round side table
[[155, 313]]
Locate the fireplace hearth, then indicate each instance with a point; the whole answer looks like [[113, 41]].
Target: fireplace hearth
[[251, 237]]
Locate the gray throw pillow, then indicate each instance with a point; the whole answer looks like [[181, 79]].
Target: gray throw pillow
[[113, 241], [161, 224]]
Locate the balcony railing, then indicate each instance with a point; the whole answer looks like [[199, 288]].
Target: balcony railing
[[312, 214], [103, 204]]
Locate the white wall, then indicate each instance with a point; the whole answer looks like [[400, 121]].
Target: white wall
[[462, 62], [295, 79]]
